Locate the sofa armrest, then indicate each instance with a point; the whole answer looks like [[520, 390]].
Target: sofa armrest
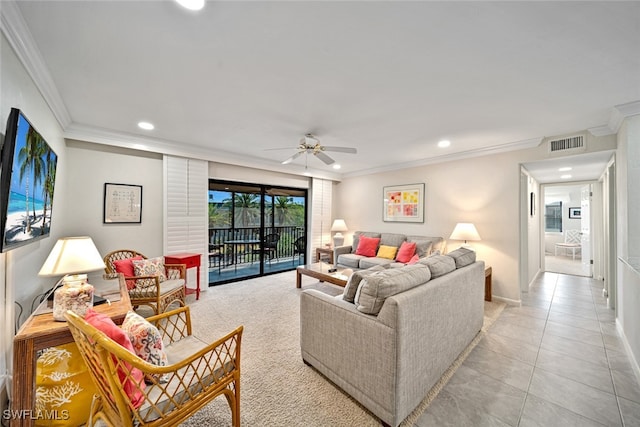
[[340, 250]]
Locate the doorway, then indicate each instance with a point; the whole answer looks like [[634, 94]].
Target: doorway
[[566, 229], [254, 230]]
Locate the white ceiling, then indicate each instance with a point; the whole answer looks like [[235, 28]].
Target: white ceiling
[[389, 78]]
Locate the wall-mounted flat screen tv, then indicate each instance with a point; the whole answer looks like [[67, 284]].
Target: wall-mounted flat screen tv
[[28, 176]]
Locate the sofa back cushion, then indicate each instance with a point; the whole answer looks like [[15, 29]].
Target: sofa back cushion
[[439, 264], [375, 288], [425, 245], [463, 257], [354, 281], [392, 239]]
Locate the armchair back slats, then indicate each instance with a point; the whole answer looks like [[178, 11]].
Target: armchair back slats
[[170, 394], [148, 290]]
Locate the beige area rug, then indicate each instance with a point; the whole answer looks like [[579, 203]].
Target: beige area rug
[[277, 388]]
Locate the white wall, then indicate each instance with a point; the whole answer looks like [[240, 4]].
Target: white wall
[[481, 190], [628, 268]]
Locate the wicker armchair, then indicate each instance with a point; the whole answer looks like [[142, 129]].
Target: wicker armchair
[[149, 290], [201, 373]]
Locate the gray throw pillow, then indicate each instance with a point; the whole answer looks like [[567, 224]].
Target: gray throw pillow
[[354, 281], [463, 257]]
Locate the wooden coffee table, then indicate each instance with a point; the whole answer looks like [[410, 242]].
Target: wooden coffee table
[[320, 271]]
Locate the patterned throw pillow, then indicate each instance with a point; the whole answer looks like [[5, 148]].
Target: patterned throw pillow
[[146, 340], [150, 267]]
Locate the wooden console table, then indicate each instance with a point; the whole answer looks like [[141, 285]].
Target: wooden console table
[[190, 260], [487, 283], [40, 331]]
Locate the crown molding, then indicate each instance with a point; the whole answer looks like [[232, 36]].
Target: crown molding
[[618, 114], [17, 33], [136, 142], [484, 151]]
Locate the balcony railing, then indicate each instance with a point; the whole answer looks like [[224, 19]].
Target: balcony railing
[[285, 247]]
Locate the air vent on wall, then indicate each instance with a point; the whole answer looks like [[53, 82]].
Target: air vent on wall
[[569, 144]]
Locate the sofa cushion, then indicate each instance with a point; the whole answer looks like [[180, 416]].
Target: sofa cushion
[[369, 262], [388, 252], [354, 280], [356, 238], [463, 257], [350, 260], [368, 246], [375, 288], [406, 252], [392, 239], [426, 245], [438, 264]]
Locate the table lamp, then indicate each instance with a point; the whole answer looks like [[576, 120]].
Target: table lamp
[[465, 231], [70, 257], [338, 226]]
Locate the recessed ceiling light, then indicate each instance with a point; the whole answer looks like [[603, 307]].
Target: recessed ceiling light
[[191, 4], [336, 166], [146, 126], [444, 143], [566, 176], [565, 169]]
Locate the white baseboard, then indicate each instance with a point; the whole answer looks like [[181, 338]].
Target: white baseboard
[[627, 349], [508, 301]]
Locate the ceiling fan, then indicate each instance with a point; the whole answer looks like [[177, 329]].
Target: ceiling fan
[[309, 144]]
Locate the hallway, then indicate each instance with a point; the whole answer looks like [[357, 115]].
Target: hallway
[[557, 360]]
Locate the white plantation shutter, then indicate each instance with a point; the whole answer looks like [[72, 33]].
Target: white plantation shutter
[[186, 212], [321, 195]]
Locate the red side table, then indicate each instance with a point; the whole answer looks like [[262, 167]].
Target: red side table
[[190, 260]]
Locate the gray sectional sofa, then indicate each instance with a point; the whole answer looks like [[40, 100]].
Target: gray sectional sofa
[[345, 256], [389, 338]]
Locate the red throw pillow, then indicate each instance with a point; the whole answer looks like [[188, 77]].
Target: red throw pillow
[[406, 251], [133, 384], [125, 266], [368, 246], [414, 260]]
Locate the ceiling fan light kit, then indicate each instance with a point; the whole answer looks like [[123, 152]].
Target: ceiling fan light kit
[[309, 144]]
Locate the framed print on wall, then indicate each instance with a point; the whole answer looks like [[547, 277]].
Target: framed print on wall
[[403, 203], [575, 213], [122, 203]]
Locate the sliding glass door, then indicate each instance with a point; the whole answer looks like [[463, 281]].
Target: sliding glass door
[[254, 230]]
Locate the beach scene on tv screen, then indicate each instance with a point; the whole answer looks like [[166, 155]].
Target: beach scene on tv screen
[[31, 189]]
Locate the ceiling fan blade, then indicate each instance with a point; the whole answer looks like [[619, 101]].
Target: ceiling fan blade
[[326, 159], [292, 158], [341, 149], [274, 149]]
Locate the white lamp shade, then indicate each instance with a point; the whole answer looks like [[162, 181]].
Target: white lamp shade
[[339, 225], [72, 255], [464, 231]]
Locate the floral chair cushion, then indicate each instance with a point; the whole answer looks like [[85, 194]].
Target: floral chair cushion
[[150, 267]]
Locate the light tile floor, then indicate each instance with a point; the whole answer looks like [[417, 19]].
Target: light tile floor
[[557, 360]]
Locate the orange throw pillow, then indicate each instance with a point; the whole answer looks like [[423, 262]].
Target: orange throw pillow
[[134, 384], [368, 246], [406, 251], [125, 266]]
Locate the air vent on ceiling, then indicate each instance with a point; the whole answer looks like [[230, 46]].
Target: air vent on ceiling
[[566, 145]]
